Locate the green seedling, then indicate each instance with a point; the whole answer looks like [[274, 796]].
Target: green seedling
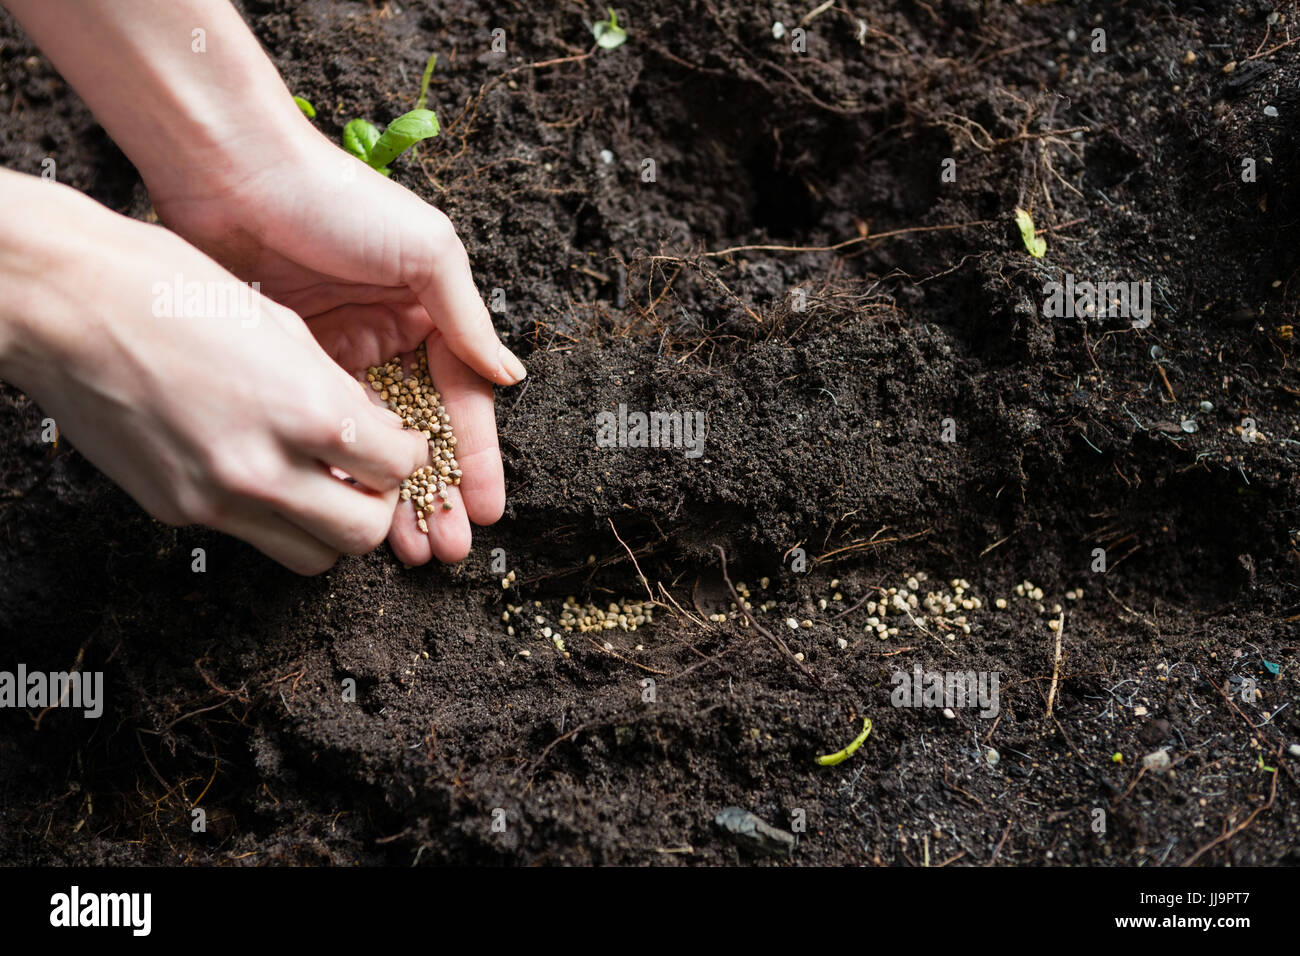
[[363, 140], [308, 110], [1034, 243], [608, 33], [840, 756]]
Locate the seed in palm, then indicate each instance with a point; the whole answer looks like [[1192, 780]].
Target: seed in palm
[[410, 393]]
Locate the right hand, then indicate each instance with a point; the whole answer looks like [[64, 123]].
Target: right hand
[[216, 421]]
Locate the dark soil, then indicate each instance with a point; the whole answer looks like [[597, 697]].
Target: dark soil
[[824, 433]]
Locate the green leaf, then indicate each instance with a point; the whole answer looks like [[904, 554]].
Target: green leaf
[[402, 133], [608, 33], [359, 138], [307, 109], [1035, 244]]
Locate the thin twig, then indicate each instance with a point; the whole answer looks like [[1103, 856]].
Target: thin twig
[[1056, 664]]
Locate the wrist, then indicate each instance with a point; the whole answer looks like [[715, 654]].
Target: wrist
[[47, 232]]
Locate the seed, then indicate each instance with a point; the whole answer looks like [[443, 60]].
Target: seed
[[799, 657]]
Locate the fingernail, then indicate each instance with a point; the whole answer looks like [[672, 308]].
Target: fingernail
[[511, 367]]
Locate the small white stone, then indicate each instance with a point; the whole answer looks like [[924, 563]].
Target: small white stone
[[792, 624], [842, 643], [606, 157], [1157, 761], [778, 30]]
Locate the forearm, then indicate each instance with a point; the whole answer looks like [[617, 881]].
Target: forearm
[[177, 102]]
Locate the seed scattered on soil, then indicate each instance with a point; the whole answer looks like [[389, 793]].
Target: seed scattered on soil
[[410, 393]]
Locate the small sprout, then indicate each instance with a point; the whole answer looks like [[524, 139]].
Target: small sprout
[[307, 109], [609, 35], [840, 756], [1117, 757], [1034, 243], [363, 140], [424, 83]]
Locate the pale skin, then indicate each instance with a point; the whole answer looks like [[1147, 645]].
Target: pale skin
[[217, 421]]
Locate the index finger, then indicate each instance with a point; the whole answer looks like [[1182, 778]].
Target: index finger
[[451, 299]]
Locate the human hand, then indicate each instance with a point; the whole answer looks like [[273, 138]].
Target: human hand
[[374, 271], [228, 422]]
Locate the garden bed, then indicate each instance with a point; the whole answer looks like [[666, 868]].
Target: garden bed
[[829, 379]]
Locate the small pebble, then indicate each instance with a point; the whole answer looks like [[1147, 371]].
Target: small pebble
[[1157, 762]]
